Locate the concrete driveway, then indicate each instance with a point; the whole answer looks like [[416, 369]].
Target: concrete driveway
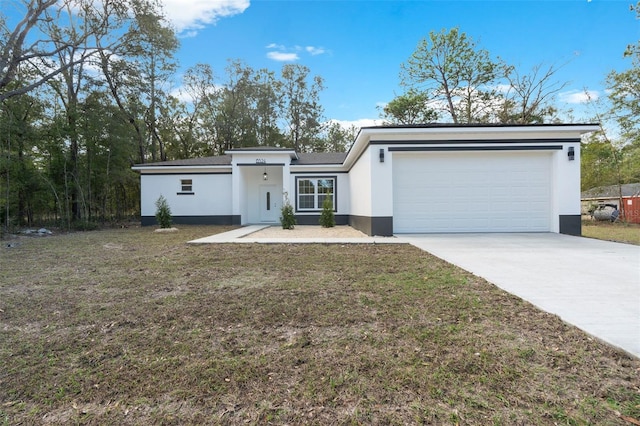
[[592, 284]]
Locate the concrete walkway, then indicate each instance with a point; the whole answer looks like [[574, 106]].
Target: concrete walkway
[[589, 283], [243, 236], [592, 284]]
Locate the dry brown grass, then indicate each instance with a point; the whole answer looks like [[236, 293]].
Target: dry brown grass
[[135, 327], [619, 231]]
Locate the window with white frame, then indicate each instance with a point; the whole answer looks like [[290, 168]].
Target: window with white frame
[[311, 192], [186, 186]]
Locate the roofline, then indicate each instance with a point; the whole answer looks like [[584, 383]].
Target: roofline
[[140, 167], [261, 150], [363, 137], [477, 125]]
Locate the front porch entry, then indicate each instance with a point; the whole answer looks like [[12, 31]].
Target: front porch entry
[[269, 203]]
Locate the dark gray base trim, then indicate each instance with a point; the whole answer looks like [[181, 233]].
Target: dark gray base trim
[[380, 226], [314, 219], [571, 224], [195, 220], [474, 148]]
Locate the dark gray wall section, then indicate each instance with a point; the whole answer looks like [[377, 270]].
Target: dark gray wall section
[[381, 226], [195, 220], [571, 224], [314, 219]]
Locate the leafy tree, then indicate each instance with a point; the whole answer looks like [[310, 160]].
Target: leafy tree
[[335, 138], [163, 212], [450, 69], [287, 217], [20, 131], [234, 115], [624, 95], [599, 162], [136, 70], [412, 107], [302, 111], [327, 218]]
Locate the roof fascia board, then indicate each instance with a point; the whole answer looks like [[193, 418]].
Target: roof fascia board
[[234, 152], [486, 133], [320, 168], [180, 168]]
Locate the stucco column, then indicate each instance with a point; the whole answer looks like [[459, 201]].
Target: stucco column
[[286, 183], [236, 189]]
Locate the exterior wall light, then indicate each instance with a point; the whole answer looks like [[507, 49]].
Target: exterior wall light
[[571, 154], [382, 155], [265, 176]]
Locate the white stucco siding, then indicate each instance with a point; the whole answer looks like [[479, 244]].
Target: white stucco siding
[[211, 194], [381, 182], [360, 185], [567, 181]]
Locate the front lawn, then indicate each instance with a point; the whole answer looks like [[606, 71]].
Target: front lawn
[[618, 231], [135, 327]]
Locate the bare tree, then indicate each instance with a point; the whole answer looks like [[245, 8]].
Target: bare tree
[[529, 97], [48, 29]]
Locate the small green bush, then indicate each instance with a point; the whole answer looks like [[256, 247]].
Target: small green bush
[[327, 218], [163, 213], [288, 218]]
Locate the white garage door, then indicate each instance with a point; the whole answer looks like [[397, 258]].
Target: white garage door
[[472, 192]]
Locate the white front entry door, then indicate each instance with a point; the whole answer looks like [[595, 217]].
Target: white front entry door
[[269, 204]]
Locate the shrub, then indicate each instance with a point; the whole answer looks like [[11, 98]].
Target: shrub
[[287, 219], [163, 213], [327, 218]]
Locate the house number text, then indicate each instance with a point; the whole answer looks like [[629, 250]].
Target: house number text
[[261, 161]]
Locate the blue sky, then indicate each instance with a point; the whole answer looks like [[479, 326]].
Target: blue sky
[[357, 46]]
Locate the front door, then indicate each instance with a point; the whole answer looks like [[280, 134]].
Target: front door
[[268, 203]]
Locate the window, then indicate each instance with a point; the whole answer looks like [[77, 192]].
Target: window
[[186, 186], [311, 192]]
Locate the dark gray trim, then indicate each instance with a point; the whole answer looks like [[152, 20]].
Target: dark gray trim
[[195, 220], [185, 193], [314, 219], [474, 148], [479, 125], [317, 176], [472, 141], [380, 226], [570, 224], [261, 164], [185, 173], [316, 172]]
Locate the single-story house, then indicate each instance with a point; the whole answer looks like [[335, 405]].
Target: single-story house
[[625, 197], [434, 178]]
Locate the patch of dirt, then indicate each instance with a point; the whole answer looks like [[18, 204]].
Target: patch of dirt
[[308, 231]]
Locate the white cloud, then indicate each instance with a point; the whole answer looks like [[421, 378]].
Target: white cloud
[[579, 97], [315, 50], [181, 94], [188, 16], [284, 53], [363, 122], [283, 56]]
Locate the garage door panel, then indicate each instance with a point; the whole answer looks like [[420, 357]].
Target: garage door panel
[[472, 192]]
